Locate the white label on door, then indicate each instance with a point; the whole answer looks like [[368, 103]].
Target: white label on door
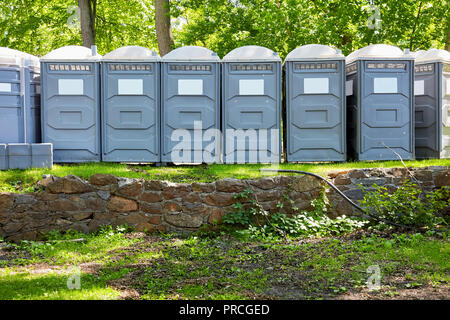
[[70, 87], [349, 88], [385, 85], [251, 87], [419, 88], [38, 89], [190, 87], [130, 87], [5, 87], [316, 85], [448, 86]]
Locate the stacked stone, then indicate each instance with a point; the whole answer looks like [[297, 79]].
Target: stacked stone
[[160, 206]]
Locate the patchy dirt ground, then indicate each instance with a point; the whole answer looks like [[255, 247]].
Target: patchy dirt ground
[[176, 268]]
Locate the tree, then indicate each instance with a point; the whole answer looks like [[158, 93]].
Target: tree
[[447, 44], [39, 26], [163, 29], [88, 12], [282, 25]]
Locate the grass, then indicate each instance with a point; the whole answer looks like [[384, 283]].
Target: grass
[[115, 265], [25, 180]]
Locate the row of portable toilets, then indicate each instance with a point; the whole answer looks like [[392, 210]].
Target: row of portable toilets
[[379, 103]]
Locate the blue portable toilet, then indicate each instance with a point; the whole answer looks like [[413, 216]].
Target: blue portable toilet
[[19, 97], [190, 106], [315, 104], [380, 103], [131, 105], [70, 103], [432, 102], [251, 105]]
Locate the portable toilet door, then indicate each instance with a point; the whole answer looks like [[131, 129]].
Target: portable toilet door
[[315, 104], [70, 103], [130, 105], [380, 103], [251, 105], [190, 106], [19, 97], [432, 101], [33, 101]]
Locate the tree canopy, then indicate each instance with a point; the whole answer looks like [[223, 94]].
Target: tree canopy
[[38, 26]]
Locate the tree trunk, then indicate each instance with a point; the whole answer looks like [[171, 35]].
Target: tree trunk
[[447, 43], [416, 22], [87, 20], [163, 29]]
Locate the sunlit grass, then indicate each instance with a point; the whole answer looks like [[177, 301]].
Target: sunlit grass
[[24, 180], [53, 286]]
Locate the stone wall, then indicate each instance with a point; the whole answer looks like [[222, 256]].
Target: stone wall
[[72, 203]]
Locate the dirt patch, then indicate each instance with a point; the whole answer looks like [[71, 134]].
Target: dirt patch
[[287, 268], [428, 292]]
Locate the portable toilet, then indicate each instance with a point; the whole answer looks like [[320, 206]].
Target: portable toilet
[[315, 104], [19, 97], [190, 106], [130, 105], [432, 100], [380, 103], [251, 105], [71, 103], [3, 157]]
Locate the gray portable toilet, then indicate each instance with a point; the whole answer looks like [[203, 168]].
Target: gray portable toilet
[[71, 103], [3, 157], [432, 100], [251, 105], [131, 105], [19, 97], [315, 104], [380, 103], [190, 101]]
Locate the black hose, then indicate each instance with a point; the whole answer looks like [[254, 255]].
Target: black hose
[[375, 217]]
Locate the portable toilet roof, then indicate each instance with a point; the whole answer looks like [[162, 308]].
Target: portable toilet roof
[[434, 55], [191, 53], [314, 52], [14, 57], [132, 53], [418, 54], [71, 53], [251, 53], [378, 52]]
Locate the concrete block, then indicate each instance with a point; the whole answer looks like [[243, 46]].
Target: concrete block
[[19, 155]]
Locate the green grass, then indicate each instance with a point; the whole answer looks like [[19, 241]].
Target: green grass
[[24, 180], [53, 286], [173, 267]]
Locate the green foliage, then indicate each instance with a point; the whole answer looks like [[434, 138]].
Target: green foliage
[[223, 25], [58, 245], [240, 215], [407, 205], [38, 26], [258, 223]]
